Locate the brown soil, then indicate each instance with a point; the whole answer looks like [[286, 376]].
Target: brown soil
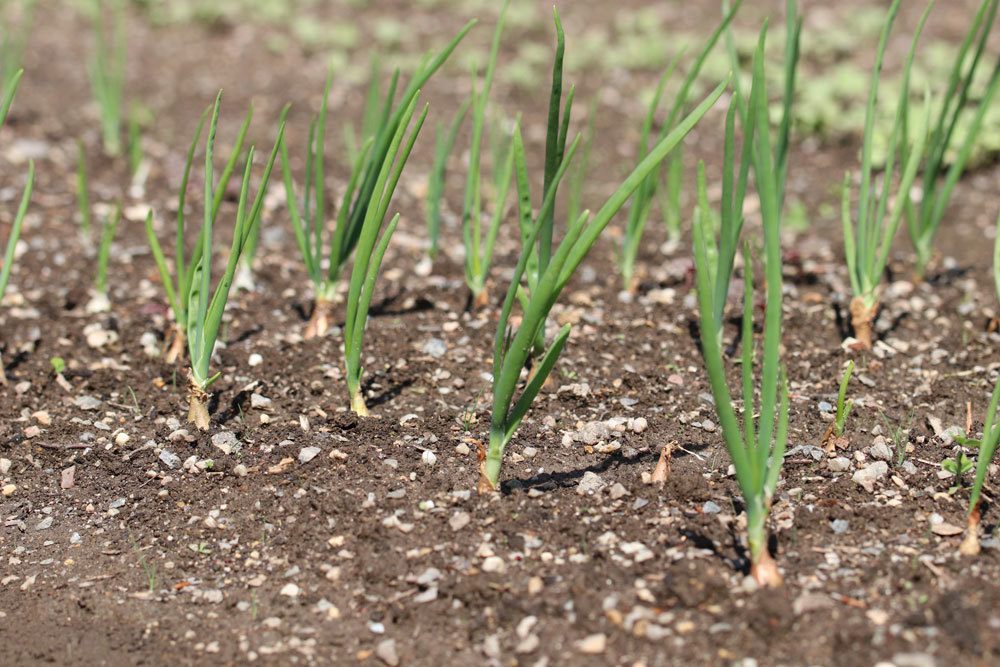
[[261, 557]]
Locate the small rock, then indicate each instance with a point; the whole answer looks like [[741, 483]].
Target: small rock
[[913, 660], [867, 476], [290, 590], [255, 360], [5, 465], [945, 529], [590, 484], [880, 451], [593, 645], [169, 459], [226, 442], [494, 564], [68, 478], [839, 464], [459, 520], [808, 602], [44, 524], [428, 458], [385, 651], [87, 403], [618, 491], [711, 507], [435, 347], [307, 454], [259, 402], [839, 526], [8, 490]]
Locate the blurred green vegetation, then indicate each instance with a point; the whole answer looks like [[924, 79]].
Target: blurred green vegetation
[[832, 84]]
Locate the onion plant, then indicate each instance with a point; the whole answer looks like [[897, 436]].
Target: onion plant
[[513, 345], [326, 249], [178, 287], [557, 131], [721, 256], [207, 306], [197, 308], [756, 447], [642, 203], [371, 248], [870, 229], [843, 405], [83, 190], [22, 210], [99, 302], [996, 259], [107, 69], [444, 144], [945, 145], [790, 63], [479, 249], [15, 28], [987, 446]]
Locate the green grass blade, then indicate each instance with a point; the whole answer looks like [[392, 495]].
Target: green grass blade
[[15, 229]]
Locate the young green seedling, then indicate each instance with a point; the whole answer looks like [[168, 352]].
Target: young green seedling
[[479, 250], [99, 302], [371, 249], [790, 61], [945, 145], [444, 144], [836, 429], [16, 20], [577, 176], [83, 190], [178, 287], [870, 229], [512, 347], [843, 405], [757, 447], [197, 308], [107, 69], [22, 210], [207, 306], [318, 243], [721, 253], [641, 205], [996, 271], [987, 446]]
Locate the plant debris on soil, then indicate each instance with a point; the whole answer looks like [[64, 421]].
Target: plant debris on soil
[[294, 532]]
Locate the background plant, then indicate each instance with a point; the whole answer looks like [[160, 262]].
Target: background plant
[[987, 446], [83, 191], [178, 286], [22, 210], [107, 69], [16, 22], [371, 249], [326, 251], [197, 311], [444, 144], [641, 205], [757, 448], [945, 143], [479, 250], [513, 347], [207, 306], [557, 130], [100, 301], [870, 229], [843, 405]]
